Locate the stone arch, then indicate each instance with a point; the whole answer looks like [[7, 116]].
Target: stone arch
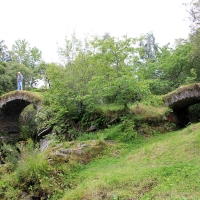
[[180, 100], [11, 106]]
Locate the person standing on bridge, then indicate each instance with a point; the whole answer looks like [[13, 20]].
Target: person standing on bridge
[[19, 81]]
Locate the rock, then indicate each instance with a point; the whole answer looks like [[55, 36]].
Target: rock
[[44, 144], [79, 152]]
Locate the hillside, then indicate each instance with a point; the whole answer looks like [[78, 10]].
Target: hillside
[[163, 166]]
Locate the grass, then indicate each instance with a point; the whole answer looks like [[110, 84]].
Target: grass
[[151, 109], [149, 112], [163, 167], [31, 96], [110, 108]]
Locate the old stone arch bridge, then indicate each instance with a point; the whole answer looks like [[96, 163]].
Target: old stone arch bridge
[[179, 101], [11, 106]]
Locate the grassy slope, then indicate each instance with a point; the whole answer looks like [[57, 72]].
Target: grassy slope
[[163, 167]]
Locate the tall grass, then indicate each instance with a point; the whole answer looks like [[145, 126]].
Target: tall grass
[[32, 175]]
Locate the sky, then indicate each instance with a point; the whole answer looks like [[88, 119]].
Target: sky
[[46, 23]]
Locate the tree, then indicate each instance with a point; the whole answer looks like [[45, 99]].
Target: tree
[[194, 15], [117, 81], [171, 69], [24, 54], [76, 71], [31, 57], [149, 47], [8, 81], [69, 52], [194, 56], [115, 53], [4, 55], [97, 70]]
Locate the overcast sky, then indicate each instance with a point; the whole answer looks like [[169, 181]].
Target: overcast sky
[[45, 23]]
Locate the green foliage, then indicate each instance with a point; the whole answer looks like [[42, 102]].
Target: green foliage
[[9, 76], [32, 174], [127, 128], [9, 154], [95, 72], [119, 90], [124, 132], [170, 69], [2, 68], [27, 122], [107, 70], [116, 82], [24, 54], [153, 100], [194, 55], [100, 135], [192, 78], [24, 59], [193, 113]]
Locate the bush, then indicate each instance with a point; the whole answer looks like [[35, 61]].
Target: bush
[[33, 175]]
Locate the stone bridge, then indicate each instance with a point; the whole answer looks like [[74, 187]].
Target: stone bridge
[[179, 101], [11, 106]]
